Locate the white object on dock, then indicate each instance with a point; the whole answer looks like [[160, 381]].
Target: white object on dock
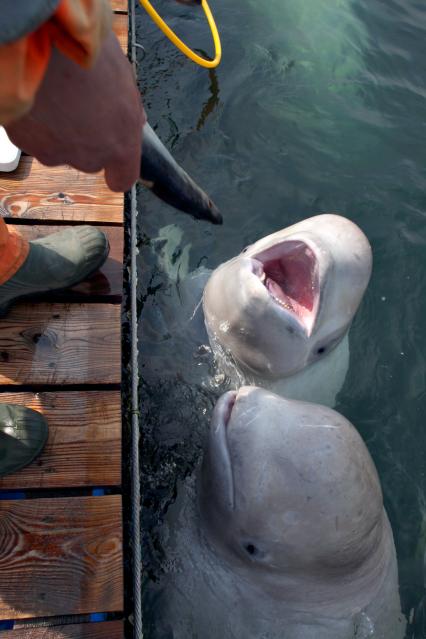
[[9, 153]]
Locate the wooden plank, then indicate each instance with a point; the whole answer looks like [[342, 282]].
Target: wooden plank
[[84, 445], [120, 5], [61, 344], [105, 630], [35, 192], [60, 556], [120, 24], [108, 281]]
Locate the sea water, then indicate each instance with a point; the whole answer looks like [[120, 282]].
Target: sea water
[[317, 106]]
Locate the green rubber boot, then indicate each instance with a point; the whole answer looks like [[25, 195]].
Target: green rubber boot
[[56, 262], [23, 434]]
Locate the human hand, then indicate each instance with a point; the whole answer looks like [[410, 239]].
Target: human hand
[[90, 118]]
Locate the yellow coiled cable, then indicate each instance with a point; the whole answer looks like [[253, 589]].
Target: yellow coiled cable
[[209, 64]]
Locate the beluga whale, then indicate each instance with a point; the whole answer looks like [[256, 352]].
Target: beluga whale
[[283, 534], [278, 314], [282, 309]]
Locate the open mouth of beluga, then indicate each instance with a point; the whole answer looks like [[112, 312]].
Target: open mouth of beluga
[[289, 272]]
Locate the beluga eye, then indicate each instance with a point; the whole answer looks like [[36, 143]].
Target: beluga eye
[[327, 346], [251, 549]]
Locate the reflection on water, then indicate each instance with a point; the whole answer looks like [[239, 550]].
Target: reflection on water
[[317, 106]]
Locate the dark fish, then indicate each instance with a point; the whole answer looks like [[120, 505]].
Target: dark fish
[[164, 177]]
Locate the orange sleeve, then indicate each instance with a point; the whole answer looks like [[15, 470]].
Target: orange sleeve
[[77, 28], [14, 250], [22, 67]]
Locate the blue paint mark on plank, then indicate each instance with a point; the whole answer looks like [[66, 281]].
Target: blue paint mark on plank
[[98, 616], [12, 494], [6, 625]]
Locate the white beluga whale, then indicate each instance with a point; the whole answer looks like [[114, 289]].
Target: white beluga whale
[[281, 310], [283, 535], [278, 314]]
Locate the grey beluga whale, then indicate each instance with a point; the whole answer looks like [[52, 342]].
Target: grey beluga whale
[[283, 534], [278, 314]]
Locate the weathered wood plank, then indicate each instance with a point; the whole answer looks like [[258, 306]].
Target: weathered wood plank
[[37, 192], [84, 445], [105, 630], [120, 24], [120, 5], [60, 556], [108, 281], [61, 344]]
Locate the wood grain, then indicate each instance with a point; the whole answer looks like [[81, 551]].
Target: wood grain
[[120, 24], [60, 556], [107, 282], [120, 5], [105, 630], [64, 555], [84, 445], [61, 344], [60, 193]]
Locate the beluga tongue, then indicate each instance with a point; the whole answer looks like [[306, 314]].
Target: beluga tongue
[[289, 271], [280, 296]]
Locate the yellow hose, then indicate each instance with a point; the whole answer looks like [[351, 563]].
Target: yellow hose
[[209, 64]]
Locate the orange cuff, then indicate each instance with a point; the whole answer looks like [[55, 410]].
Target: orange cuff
[[77, 28], [14, 250], [22, 66]]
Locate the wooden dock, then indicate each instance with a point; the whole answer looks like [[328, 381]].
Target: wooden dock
[[61, 541]]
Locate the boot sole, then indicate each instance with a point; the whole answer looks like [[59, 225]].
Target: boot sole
[[4, 309]]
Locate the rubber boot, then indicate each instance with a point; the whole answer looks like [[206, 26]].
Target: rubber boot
[[56, 262], [23, 434]]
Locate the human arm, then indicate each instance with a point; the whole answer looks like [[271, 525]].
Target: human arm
[[82, 107]]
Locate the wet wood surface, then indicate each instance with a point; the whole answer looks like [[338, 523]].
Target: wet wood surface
[[107, 282], [104, 630], [60, 556], [84, 445], [58, 194], [61, 344]]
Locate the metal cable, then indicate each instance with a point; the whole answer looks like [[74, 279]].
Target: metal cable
[[135, 471]]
